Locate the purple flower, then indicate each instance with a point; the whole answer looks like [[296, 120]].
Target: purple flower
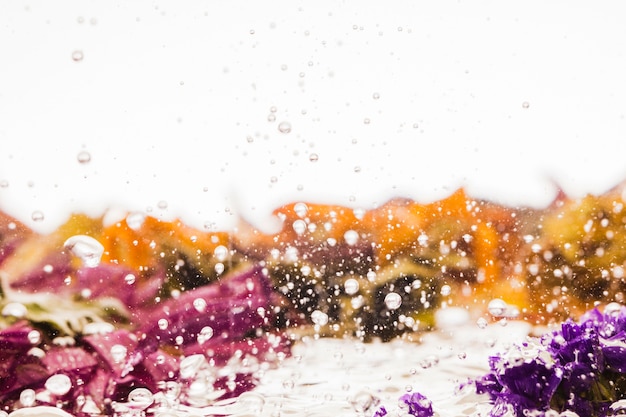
[[416, 404], [381, 412], [580, 367], [526, 377]]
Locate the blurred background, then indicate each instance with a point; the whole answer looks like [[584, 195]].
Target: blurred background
[[211, 110]]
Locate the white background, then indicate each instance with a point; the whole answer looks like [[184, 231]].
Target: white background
[[171, 100]]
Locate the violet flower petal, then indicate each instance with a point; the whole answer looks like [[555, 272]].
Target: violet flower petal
[[418, 404]]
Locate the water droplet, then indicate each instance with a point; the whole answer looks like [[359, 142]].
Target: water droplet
[[300, 209], [446, 290], [162, 204], [205, 334], [27, 397], [357, 169], [490, 342], [284, 127], [34, 337], [289, 384], [299, 226], [525, 104], [86, 248], [191, 365], [351, 286], [393, 300], [612, 309], [98, 328], [362, 402], [497, 307], [162, 323], [130, 279], [135, 220], [83, 157], [366, 121], [313, 157], [220, 253], [4, 184], [271, 117], [462, 355], [319, 317], [618, 408], [219, 268], [251, 402], [199, 304], [59, 384], [17, 310], [77, 56], [375, 96], [140, 398], [118, 352], [482, 323], [37, 216], [351, 237]]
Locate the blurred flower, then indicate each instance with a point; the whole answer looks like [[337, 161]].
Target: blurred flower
[[226, 324]]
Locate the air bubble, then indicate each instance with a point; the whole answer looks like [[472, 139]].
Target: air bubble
[[375, 96], [220, 253], [205, 335], [118, 353], [86, 248], [98, 328], [34, 337], [612, 309], [351, 237], [446, 290], [83, 157], [37, 216], [135, 220], [289, 384], [219, 268], [497, 307], [17, 310], [313, 157], [162, 204], [351, 286], [191, 365], [482, 323], [130, 279], [27, 397], [162, 323], [393, 301], [319, 317], [299, 226], [77, 56], [301, 209], [59, 384], [251, 402], [140, 398], [284, 127], [362, 402], [525, 104], [200, 305]]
